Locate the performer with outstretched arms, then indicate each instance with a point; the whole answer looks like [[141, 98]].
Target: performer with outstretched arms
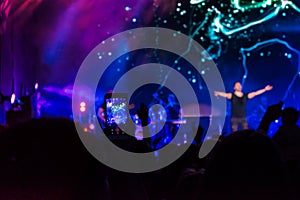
[[238, 104]]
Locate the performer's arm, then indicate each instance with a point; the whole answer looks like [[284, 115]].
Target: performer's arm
[[258, 92], [223, 94]]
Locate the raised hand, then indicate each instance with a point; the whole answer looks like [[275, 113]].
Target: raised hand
[[268, 87], [273, 112]]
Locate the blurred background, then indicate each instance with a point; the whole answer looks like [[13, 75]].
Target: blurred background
[[43, 44]]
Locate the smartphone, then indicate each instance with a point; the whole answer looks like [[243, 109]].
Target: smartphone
[[116, 105]]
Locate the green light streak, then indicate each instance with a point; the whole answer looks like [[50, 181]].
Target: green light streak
[[196, 1], [227, 31], [237, 4]]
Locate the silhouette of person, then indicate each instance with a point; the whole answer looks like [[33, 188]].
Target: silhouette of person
[[238, 104], [174, 114], [245, 165], [287, 137], [38, 165]]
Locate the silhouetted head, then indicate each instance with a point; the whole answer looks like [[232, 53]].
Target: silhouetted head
[[45, 159], [245, 165], [245, 158], [290, 116]]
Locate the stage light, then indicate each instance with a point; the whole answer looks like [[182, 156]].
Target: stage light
[[13, 98], [36, 86], [127, 8], [82, 106], [136, 119], [92, 126]]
